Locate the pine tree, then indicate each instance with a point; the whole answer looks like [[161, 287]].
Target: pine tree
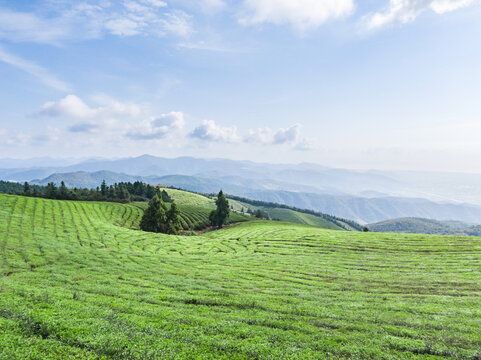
[[63, 191], [219, 216], [51, 192], [166, 197], [103, 189], [173, 221], [26, 189], [155, 217]]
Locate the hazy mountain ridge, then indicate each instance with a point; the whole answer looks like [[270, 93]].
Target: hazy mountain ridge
[[307, 177], [361, 209], [425, 226], [365, 196]]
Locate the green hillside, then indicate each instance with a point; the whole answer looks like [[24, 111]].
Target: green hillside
[[290, 215], [78, 282], [426, 226], [195, 211]]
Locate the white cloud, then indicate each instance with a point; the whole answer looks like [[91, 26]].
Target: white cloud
[[302, 14], [267, 136], [157, 127], [81, 21], [37, 71], [71, 106], [210, 131], [105, 116], [290, 136], [405, 11], [178, 23], [122, 27]]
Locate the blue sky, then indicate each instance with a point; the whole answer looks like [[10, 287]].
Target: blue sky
[[388, 84]]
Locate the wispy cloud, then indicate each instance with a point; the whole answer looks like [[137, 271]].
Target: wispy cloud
[[40, 73], [72, 21], [405, 11], [302, 14]]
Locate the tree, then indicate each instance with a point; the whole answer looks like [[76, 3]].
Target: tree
[[166, 197], [155, 217], [173, 221], [51, 192], [26, 189], [63, 192], [219, 216], [103, 189]]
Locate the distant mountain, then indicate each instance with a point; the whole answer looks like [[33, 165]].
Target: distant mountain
[[84, 179], [425, 226], [360, 209], [304, 177]]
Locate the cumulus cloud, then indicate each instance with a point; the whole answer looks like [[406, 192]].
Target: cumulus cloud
[[302, 14], [267, 136], [70, 106], [80, 21], [405, 11], [210, 131], [73, 107], [290, 136], [157, 127]]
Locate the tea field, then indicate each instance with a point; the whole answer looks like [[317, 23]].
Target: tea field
[[79, 281]]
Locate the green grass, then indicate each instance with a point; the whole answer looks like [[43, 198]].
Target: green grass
[[287, 215], [194, 217], [76, 282], [189, 198]]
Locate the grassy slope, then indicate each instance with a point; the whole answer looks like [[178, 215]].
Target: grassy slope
[[76, 284], [286, 215], [195, 210]]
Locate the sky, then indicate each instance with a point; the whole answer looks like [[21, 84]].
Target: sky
[[364, 84]]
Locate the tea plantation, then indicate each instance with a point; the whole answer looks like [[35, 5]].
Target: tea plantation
[[79, 281]]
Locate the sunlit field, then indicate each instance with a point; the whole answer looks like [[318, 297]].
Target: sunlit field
[[78, 280]]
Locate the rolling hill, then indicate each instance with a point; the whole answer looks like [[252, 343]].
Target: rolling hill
[[361, 209], [78, 281]]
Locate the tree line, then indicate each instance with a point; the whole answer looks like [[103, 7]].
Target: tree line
[[119, 192]]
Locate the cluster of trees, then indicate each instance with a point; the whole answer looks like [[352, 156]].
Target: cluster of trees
[[157, 218], [119, 192]]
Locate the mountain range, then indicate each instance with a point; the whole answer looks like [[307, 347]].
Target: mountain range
[[364, 196], [426, 226]]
